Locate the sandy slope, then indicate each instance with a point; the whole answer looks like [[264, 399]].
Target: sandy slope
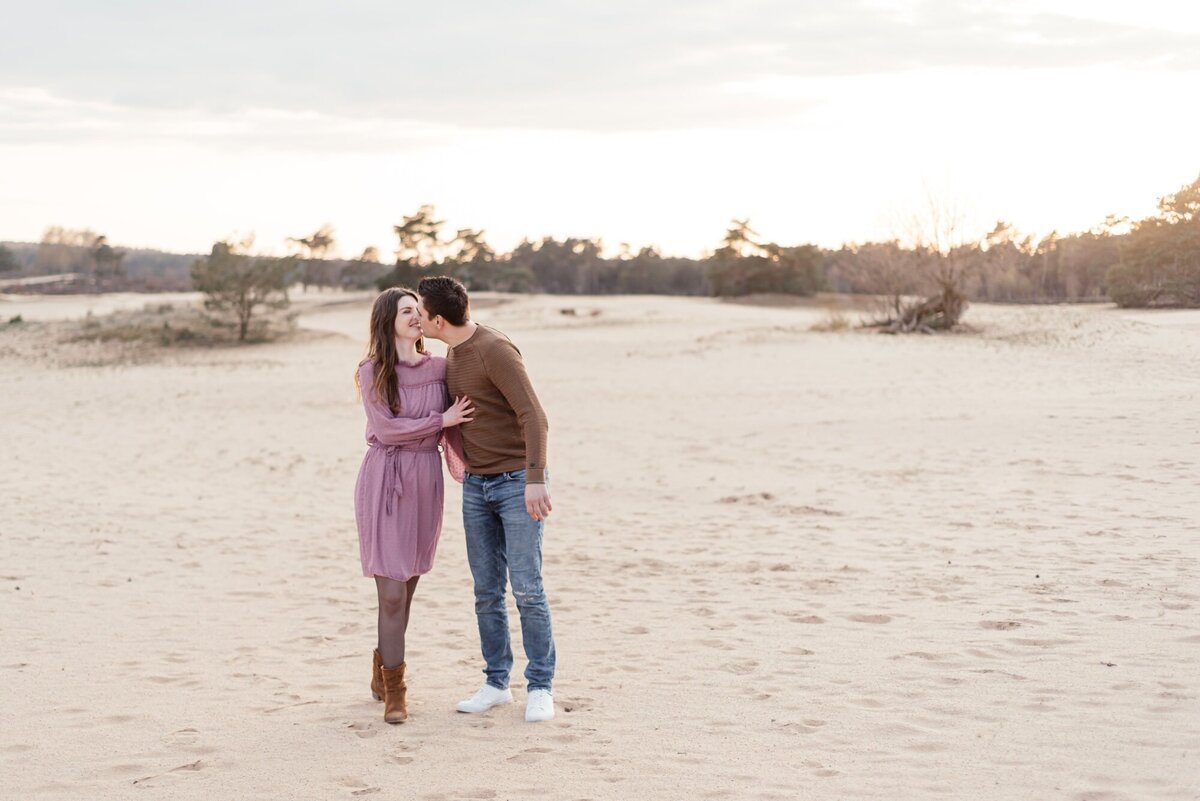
[[782, 565]]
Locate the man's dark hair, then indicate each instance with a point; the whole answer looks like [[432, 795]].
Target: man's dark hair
[[446, 297]]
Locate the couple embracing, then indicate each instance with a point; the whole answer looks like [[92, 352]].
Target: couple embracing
[[479, 406]]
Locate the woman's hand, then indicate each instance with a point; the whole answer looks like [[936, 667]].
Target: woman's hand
[[459, 412]]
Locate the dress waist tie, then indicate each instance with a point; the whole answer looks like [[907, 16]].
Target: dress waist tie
[[393, 478]]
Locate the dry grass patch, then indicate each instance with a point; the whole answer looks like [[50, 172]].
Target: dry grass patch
[[132, 337]]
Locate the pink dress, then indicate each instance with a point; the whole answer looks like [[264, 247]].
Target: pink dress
[[398, 496]]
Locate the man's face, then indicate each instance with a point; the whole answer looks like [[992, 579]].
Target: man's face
[[430, 326]]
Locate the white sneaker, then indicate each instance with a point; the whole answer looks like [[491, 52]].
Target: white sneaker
[[540, 706], [487, 697]]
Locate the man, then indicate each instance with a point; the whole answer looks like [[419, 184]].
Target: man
[[505, 498]]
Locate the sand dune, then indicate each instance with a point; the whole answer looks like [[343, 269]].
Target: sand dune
[[782, 565]]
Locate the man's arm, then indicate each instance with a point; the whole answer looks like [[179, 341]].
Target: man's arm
[[506, 370]]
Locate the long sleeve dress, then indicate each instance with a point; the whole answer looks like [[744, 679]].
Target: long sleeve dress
[[399, 493]]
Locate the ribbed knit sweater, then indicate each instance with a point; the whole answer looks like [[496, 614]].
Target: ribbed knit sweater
[[509, 429]]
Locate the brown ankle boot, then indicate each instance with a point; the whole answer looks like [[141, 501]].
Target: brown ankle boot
[[395, 695], [376, 676]]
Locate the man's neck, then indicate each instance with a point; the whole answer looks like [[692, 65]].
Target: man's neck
[[457, 334]]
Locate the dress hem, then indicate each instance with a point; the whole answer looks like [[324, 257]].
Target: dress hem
[[393, 578]]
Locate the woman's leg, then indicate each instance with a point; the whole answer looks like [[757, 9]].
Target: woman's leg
[[393, 619], [412, 590]]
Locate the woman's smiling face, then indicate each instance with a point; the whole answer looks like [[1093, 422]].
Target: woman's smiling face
[[408, 319]]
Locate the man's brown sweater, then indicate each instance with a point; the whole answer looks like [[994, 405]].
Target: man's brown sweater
[[509, 429]]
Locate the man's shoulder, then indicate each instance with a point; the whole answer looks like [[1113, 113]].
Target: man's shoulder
[[490, 341]]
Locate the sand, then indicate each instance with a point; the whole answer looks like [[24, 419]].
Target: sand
[[782, 564]]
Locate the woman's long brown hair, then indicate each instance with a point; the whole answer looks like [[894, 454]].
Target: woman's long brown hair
[[381, 346]]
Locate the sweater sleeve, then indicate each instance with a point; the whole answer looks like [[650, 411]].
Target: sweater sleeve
[[506, 370], [387, 427]]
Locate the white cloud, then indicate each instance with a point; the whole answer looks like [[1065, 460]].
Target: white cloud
[[641, 124], [617, 66]]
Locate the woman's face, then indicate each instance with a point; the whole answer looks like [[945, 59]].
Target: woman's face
[[408, 320]]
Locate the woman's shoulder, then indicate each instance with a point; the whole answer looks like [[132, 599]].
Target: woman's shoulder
[[428, 370], [438, 365]]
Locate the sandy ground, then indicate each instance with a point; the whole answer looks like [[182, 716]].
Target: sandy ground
[[782, 565]]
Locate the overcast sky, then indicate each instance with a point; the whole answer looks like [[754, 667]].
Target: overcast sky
[[649, 123]]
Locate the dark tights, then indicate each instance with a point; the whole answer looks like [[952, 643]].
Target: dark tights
[[395, 601]]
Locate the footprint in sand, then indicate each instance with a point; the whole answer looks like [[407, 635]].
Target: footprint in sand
[[358, 786], [720, 645], [740, 667], [188, 768], [529, 755], [804, 727], [363, 730], [870, 618], [869, 703], [577, 704], [182, 738], [999, 625]]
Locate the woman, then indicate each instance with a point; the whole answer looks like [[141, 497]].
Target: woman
[[398, 497]]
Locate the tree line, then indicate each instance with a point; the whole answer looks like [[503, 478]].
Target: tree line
[[88, 263], [1150, 262]]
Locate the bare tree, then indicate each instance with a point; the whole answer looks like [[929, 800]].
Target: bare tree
[[65, 250], [233, 280], [887, 270], [944, 261]]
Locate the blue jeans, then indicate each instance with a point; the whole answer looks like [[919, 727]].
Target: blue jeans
[[503, 541]]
